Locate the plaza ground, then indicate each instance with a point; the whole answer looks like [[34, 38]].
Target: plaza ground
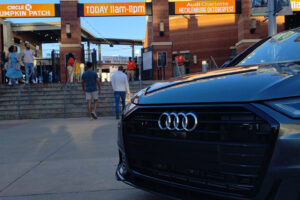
[[62, 159]]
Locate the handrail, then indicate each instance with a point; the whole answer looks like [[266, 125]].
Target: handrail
[[70, 93], [29, 92], [19, 97], [214, 62], [29, 96]]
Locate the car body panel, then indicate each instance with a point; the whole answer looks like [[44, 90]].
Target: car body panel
[[242, 84]]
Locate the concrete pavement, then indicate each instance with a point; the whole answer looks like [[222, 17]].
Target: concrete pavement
[[62, 159]]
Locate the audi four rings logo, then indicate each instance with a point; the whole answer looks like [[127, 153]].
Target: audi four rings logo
[[178, 121]]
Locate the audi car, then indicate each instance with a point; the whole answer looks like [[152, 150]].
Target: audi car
[[232, 133]]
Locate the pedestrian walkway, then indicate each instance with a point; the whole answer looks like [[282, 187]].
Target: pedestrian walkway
[[62, 159]]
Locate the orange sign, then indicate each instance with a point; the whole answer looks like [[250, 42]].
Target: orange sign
[[114, 9], [205, 7], [295, 5], [27, 10]]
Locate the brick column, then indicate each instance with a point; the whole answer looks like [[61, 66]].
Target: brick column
[[69, 43], [149, 32], [245, 39], [160, 10]]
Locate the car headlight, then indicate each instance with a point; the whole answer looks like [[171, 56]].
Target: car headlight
[[290, 107], [134, 101], [136, 97]]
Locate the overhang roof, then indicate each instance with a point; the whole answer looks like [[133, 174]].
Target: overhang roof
[[47, 32], [116, 41], [50, 32]]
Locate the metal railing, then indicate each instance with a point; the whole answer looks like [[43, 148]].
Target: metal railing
[[215, 66], [28, 95], [67, 86], [71, 87]]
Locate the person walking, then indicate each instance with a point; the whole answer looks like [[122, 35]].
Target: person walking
[[13, 72], [71, 67], [131, 69], [120, 86], [89, 82], [179, 62], [27, 59]]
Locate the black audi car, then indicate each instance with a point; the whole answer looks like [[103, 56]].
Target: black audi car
[[233, 133]]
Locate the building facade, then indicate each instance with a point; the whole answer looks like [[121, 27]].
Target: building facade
[[214, 38]]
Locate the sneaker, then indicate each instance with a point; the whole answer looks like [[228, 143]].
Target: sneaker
[[9, 83], [91, 118], [94, 115], [33, 81]]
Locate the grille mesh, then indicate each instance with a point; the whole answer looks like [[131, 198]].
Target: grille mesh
[[228, 152]]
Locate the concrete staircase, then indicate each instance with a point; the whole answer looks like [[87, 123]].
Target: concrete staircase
[[54, 101]]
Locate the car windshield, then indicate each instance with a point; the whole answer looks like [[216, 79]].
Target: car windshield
[[282, 47]]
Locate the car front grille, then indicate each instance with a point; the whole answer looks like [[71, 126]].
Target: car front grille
[[228, 152]]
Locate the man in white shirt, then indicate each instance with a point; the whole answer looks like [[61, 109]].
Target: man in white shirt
[[120, 86], [27, 58]]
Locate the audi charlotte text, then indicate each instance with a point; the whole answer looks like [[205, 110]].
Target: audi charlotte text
[[233, 133]]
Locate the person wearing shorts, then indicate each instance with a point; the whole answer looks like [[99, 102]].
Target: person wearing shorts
[[89, 83]]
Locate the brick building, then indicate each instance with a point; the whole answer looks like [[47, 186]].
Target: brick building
[[198, 37]]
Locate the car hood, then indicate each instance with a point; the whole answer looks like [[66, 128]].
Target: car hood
[[236, 84]]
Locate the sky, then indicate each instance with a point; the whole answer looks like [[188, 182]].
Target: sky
[[107, 27]]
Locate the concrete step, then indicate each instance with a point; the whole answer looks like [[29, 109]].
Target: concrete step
[[58, 100], [48, 97], [53, 90], [69, 110], [32, 93], [53, 93], [73, 106], [58, 85], [134, 85], [26, 89], [148, 82], [54, 115], [48, 101]]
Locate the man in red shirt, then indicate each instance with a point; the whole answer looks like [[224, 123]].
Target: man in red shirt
[[71, 67], [131, 69], [179, 62]]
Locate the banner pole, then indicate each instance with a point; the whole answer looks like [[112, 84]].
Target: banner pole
[[272, 25]]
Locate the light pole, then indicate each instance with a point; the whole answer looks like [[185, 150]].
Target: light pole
[[272, 25]]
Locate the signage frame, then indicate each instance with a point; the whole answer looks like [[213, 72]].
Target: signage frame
[[148, 73], [148, 10], [295, 2], [56, 10], [260, 8], [172, 8]]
